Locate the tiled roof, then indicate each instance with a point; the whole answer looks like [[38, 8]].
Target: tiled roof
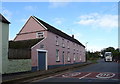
[[58, 32], [23, 44], [2, 19]]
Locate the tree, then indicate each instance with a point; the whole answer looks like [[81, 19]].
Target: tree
[[115, 52], [109, 49]]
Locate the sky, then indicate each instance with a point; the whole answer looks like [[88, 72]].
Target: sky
[[94, 24]]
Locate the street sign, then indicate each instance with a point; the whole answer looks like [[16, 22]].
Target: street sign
[[105, 75]]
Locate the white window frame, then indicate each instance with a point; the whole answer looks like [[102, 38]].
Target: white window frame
[[63, 45], [74, 57], [68, 45], [57, 55], [56, 41], [68, 58], [80, 57], [39, 35]]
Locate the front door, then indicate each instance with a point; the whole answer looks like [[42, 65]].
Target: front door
[[42, 60]]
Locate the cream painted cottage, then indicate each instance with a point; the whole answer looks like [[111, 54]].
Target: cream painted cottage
[[4, 33]]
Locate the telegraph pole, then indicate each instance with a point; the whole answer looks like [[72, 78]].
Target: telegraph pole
[[86, 50]]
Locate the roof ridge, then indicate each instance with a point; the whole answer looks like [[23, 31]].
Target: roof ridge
[[58, 32]]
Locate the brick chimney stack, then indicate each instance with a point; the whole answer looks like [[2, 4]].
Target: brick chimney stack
[[72, 36]]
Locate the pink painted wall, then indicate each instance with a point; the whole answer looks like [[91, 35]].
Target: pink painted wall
[[29, 30], [50, 45]]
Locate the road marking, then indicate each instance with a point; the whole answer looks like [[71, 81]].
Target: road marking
[[71, 74], [85, 76], [105, 75], [81, 75]]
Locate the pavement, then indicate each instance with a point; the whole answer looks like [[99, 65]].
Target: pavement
[[19, 77]]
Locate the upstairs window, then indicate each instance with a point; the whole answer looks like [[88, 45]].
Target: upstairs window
[[57, 41], [40, 34], [68, 44], [74, 49], [63, 45], [77, 51], [73, 43]]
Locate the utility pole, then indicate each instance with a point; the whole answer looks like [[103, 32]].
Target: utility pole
[[86, 50]]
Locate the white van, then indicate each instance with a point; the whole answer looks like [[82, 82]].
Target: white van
[[108, 56]]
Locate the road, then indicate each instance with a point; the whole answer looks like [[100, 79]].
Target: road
[[100, 72]]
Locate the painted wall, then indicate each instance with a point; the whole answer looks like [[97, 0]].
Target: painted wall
[[50, 45], [6, 65], [0, 48], [73, 48], [29, 30], [4, 45], [0, 52]]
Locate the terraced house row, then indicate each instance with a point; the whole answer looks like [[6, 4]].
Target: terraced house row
[[48, 46]]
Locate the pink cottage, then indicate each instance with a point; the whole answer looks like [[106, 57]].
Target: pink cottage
[[55, 49]]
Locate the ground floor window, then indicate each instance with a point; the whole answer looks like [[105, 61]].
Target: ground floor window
[[68, 56], [74, 56], [57, 55]]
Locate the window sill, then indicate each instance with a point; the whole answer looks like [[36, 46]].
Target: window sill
[[57, 45], [69, 61], [57, 60]]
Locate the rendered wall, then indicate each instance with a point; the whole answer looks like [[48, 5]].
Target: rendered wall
[[79, 50], [29, 30], [6, 65], [20, 65], [50, 45], [4, 41], [0, 52]]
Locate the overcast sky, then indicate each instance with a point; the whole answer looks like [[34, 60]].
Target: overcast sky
[[92, 22]]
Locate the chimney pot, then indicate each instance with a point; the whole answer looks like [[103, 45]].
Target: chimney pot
[[72, 36]]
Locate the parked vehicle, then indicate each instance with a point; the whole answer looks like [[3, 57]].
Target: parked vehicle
[[108, 56]]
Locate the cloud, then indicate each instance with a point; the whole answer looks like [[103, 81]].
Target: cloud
[[29, 8], [23, 20], [53, 4], [8, 14], [59, 21], [106, 21], [94, 48], [78, 35]]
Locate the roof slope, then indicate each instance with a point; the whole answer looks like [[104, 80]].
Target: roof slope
[[2, 19], [58, 32], [23, 44]]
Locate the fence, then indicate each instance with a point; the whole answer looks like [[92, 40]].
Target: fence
[[19, 54]]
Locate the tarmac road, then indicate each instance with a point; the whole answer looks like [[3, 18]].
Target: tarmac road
[[100, 72]]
